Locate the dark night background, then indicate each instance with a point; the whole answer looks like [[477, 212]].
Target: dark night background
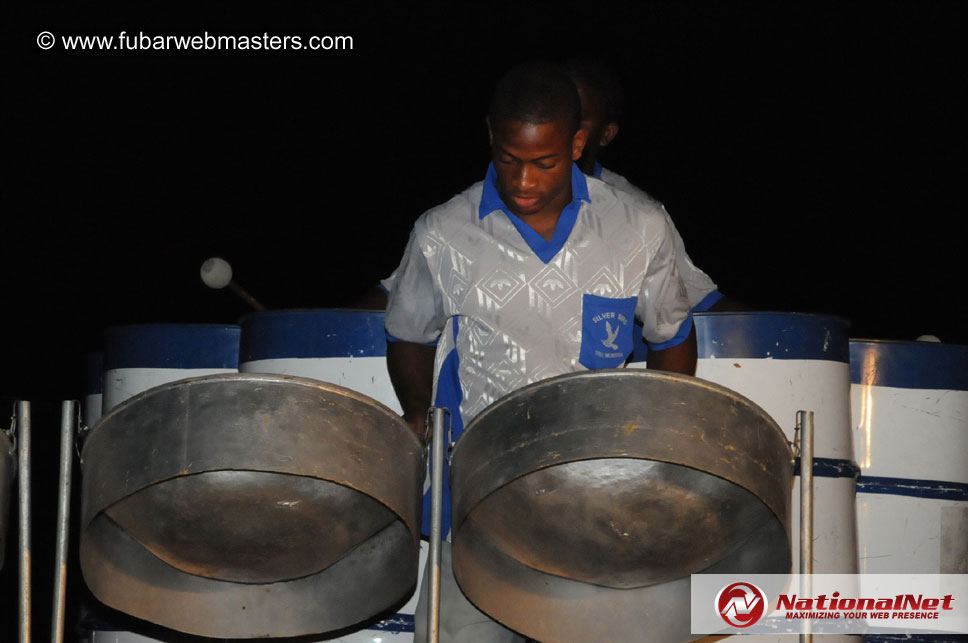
[[812, 155]]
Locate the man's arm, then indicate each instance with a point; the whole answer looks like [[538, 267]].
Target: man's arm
[[411, 368], [680, 358]]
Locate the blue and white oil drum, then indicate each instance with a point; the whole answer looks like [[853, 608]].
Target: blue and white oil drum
[[343, 347], [93, 387], [143, 356], [909, 403], [346, 348], [787, 362]]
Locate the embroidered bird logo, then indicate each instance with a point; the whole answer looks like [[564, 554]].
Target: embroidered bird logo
[[612, 334]]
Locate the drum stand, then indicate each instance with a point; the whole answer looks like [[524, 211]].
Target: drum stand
[[19, 434], [805, 427], [441, 433], [70, 422]]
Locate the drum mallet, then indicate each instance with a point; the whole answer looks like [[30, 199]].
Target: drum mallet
[[217, 274]]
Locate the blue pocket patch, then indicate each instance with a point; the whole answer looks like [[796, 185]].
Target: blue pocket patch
[[606, 330]]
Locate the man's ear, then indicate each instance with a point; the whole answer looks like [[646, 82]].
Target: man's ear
[[608, 134], [578, 143], [490, 132]]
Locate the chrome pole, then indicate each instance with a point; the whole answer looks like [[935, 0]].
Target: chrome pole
[[23, 473], [805, 422], [436, 519], [68, 421]]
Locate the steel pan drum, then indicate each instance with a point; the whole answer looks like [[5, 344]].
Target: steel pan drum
[[8, 467], [582, 503], [244, 505]]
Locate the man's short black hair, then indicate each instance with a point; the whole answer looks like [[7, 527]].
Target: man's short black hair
[[602, 78], [538, 93]]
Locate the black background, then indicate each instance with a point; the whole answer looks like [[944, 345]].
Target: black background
[[810, 153]]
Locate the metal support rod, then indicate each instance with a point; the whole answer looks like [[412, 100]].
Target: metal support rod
[[436, 519], [805, 422], [68, 422], [23, 475]]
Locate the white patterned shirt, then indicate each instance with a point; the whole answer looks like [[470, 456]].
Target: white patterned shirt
[[509, 308]]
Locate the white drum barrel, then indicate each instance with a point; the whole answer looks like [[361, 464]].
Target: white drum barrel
[[786, 362], [93, 388], [143, 356], [343, 347], [139, 357], [909, 402]]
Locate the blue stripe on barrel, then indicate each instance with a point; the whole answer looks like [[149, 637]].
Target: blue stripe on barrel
[[764, 335], [312, 333], [921, 365], [830, 468], [183, 346], [935, 489], [776, 335]]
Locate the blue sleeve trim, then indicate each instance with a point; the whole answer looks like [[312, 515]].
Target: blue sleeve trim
[[681, 335], [391, 338], [385, 290], [707, 302]]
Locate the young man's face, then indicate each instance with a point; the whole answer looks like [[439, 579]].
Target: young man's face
[[533, 164]]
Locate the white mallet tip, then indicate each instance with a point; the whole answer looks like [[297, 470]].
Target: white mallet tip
[[216, 272], [928, 338]]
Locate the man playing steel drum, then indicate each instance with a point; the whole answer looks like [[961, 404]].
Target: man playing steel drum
[[537, 271]]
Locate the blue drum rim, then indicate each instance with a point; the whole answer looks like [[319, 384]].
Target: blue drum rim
[[200, 326], [191, 346], [909, 364], [312, 333], [805, 336], [288, 312], [774, 313]]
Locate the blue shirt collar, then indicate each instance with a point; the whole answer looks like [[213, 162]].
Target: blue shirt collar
[[491, 201], [544, 249], [597, 170]]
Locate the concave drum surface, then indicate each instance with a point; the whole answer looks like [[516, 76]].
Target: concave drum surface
[[583, 502], [245, 506]]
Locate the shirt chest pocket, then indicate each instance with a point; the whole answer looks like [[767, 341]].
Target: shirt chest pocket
[[606, 330]]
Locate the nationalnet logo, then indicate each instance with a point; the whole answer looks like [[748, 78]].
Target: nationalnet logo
[[741, 604], [899, 606], [829, 603]]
